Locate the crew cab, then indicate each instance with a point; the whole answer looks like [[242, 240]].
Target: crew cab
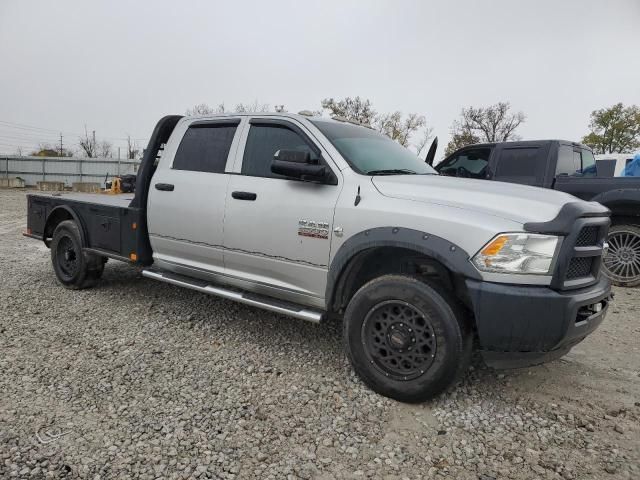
[[322, 219], [568, 167]]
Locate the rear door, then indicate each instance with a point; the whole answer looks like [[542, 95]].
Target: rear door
[[188, 194], [524, 163], [278, 231], [576, 172]]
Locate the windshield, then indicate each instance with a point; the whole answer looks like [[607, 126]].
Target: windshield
[[370, 152]]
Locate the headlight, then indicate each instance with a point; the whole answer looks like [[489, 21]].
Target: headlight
[[522, 253]]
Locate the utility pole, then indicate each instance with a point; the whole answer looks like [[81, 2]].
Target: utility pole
[[95, 147], [60, 144]]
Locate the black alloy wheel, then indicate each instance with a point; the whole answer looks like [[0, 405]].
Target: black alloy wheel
[[406, 339], [399, 339], [67, 257]]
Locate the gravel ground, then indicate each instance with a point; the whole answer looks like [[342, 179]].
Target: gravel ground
[[145, 380]]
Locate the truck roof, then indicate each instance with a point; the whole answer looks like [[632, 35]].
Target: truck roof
[[296, 116], [529, 142]]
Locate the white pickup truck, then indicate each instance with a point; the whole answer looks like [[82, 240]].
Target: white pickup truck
[[322, 219]]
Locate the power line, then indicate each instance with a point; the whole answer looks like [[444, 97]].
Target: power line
[[50, 131]]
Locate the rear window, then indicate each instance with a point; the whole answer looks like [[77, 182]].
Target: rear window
[[574, 160], [518, 164], [568, 162], [205, 148]]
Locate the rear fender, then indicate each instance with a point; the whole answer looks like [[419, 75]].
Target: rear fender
[[60, 214]]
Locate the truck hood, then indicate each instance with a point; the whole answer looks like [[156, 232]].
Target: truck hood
[[518, 203]]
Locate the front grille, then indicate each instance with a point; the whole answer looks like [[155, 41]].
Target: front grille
[[588, 236], [579, 267], [580, 256]]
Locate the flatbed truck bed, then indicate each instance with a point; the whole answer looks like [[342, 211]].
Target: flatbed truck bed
[[109, 223]]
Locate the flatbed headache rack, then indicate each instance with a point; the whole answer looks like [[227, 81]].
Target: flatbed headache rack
[[114, 226]]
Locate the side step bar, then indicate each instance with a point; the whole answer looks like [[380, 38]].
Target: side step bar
[[260, 301]]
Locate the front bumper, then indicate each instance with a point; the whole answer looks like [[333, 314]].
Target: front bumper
[[519, 326]]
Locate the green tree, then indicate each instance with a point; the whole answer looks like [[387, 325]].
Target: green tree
[[495, 123], [614, 130]]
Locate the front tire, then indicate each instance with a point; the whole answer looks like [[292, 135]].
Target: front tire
[[405, 339], [622, 261], [74, 268]]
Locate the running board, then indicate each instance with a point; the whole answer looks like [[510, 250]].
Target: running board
[[252, 299]]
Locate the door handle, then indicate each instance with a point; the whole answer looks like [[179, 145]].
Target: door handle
[[166, 187], [244, 195]]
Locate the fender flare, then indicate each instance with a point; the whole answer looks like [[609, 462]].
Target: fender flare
[[76, 218], [447, 253], [611, 198]]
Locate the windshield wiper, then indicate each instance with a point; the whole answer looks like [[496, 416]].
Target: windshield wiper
[[392, 171]]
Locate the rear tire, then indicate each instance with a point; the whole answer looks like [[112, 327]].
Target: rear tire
[[622, 261], [405, 339], [74, 268]]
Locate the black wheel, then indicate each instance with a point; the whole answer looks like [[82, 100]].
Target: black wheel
[[74, 268], [405, 339], [622, 261]]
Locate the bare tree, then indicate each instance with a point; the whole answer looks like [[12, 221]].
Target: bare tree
[[427, 134], [402, 129], [358, 110], [132, 148], [19, 151], [88, 144], [204, 109], [255, 107], [105, 149], [494, 123]]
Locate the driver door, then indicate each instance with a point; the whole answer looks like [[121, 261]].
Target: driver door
[[278, 230]]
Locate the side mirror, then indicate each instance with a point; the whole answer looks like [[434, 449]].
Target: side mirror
[[296, 156], [297, 164]]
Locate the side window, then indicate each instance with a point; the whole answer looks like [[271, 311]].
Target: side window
[[470, 163], [567, 163], [263, 142], [588, 163], [205, 148], [575, 161], [518, 165]]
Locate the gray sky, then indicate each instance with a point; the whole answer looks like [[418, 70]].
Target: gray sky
[[118, 66]]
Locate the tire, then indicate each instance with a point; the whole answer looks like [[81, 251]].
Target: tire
[[621, 264], [420, 328], [74, 268]]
